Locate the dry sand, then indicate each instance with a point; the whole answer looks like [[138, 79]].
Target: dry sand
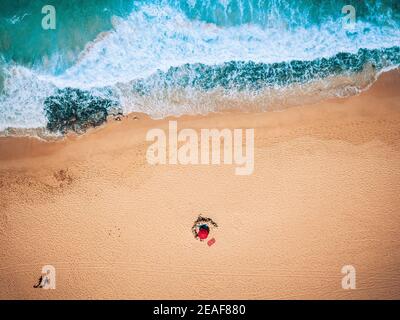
[[324, 194]]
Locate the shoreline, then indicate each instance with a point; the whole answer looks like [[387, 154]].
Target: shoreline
[[324, 194], [388, 82], [358, 82]]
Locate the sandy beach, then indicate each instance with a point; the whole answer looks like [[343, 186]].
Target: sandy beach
[[324, 194]]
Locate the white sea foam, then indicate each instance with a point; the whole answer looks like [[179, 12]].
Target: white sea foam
[[158, 38]]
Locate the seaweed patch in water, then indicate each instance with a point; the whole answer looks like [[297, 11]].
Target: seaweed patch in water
[[78, 110]]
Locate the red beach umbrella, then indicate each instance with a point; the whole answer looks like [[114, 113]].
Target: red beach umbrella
[[203, 233]]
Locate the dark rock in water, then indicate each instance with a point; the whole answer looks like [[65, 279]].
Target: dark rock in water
[[78, 110]]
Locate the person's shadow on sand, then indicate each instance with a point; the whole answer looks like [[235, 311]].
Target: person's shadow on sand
[[42, 282], [39, 284]]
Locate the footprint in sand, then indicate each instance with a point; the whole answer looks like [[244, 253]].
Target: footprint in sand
[[63, 177]]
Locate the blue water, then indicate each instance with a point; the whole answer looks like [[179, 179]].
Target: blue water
[[176, 57]]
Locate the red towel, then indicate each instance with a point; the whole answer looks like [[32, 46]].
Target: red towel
[[211, 242]]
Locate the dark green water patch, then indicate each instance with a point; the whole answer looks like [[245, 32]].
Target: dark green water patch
[[77, 110]]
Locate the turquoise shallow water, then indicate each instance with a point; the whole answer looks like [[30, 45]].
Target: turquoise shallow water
[[24, 41], [148, 54]]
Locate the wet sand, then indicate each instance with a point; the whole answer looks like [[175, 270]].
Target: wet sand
[[324, 194]]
